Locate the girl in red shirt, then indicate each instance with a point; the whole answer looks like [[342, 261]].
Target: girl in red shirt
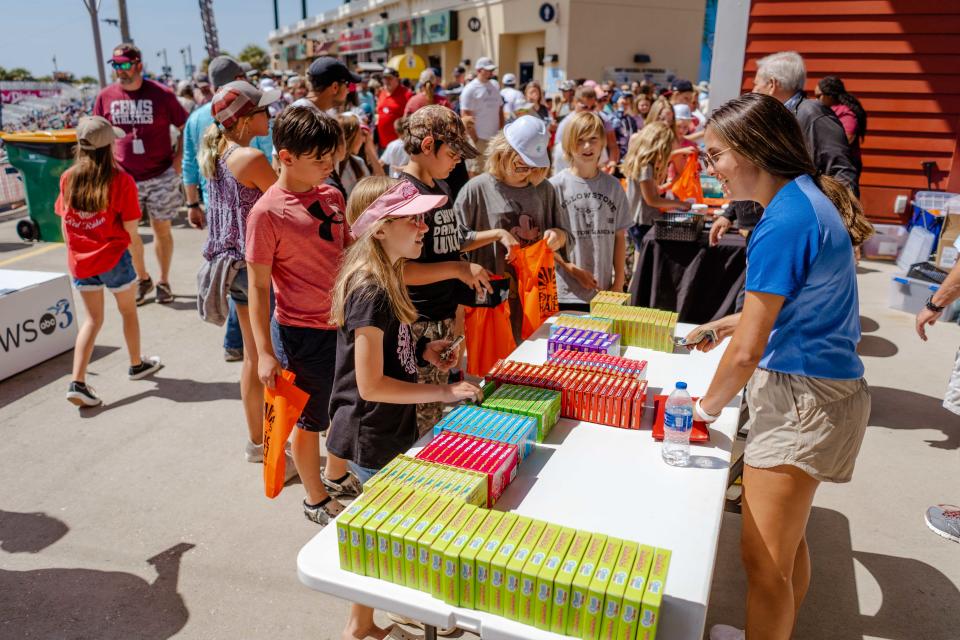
[[100, 211]]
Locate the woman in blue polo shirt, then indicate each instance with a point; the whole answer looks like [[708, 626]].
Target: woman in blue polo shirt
[[794, 345]]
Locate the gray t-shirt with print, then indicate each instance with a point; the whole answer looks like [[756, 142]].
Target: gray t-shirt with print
[[597, 209], [641, 212]]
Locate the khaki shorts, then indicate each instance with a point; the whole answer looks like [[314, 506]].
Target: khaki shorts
[[951, 399], [160, 197], [476, 165], [815, 424]]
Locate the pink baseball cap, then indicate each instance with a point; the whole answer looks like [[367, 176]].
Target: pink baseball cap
[[399, 201]]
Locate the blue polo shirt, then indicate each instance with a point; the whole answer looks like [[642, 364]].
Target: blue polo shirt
[[801, 250]]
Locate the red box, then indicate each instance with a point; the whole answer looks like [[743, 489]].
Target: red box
[[501, 470]]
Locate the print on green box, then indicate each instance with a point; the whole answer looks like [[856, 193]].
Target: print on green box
[[358, 554], [411, 566], [598, 589], [511, 587], [397, 568], [500, 561], [543, 589], [343, 530], [563, 583], [439, 544], [581, 585], [633, 594], [613, 601], [531, 571], [371, 566], [481, 570], [384, 554], [450, 580], [426, 542], [468, 559], [386, 470], [653, 595]]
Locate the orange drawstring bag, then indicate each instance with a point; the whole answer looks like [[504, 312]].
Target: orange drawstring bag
[[282, 407], [489, 337], [687, 184], [536, 285]]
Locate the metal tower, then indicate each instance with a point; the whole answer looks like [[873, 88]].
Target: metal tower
[[209, 28]]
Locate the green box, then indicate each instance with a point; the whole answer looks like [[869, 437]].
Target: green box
[[468, 559], [581, 585], [343, 520], [386, 470], [633, 594], [355, 527], [543, 589], [426, 540], [511, 588], [371, 559], [481, 570], [531, 571], [653, 595], [384, 554], [411, 565], [598, 589], [613, 602], [450, 580], [499, 562], [398, 566], [560, 608], [439, 545]]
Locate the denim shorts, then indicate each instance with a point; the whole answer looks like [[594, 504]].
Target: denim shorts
[[119, 278], [238, 288], [363, 473]]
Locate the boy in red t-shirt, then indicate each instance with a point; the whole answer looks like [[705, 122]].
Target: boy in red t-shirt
[[296, 236], [100, 211]]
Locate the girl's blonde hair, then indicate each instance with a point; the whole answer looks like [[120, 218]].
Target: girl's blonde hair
[[583, 124], [365, 263], [651, 146], [660, 105], [87, 187], [350, 125], [501, 156]]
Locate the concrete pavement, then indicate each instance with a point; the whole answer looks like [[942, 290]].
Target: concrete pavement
[[140, 519]]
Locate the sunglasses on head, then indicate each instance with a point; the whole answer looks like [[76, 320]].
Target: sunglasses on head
[[122, 66]]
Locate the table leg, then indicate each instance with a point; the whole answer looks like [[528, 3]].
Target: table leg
[[429, 632]]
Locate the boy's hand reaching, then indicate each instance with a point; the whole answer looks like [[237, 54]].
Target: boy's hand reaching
[[473, 275], [460, 391], [584, 278], [268, 369], [507, 240], [433, 352]]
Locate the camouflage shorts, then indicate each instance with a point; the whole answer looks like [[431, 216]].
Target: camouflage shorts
[[429, 414], [161, 197]]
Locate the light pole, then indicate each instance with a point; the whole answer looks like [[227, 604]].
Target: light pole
[[166, 67], [93, 6], [187, 54]]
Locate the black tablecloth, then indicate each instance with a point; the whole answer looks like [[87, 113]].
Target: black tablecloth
[[698, 281]]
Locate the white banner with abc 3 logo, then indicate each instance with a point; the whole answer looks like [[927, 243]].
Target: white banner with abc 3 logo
[[38, 319]]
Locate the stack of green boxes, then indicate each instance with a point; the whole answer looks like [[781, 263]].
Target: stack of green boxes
[[461, 484], [543, 405], [571, 582], [604, 325], [640, 327]]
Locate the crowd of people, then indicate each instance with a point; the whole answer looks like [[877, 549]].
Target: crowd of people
[[58, 112], [347, 220]]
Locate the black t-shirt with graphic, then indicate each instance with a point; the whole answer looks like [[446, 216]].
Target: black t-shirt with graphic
[[371, 434], [441, 243]]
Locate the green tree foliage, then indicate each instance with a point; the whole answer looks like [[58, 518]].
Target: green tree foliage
[[256, 56]]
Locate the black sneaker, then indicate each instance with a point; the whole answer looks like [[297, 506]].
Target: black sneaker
[[143, 288], [164, 293], [233, 355], [82, 395], [322, 514], [145, 368]]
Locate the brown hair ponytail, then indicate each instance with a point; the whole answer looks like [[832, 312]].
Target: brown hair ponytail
[[763, 131]]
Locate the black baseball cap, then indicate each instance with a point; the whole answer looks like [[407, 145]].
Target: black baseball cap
[[681, 85], [326, 70]]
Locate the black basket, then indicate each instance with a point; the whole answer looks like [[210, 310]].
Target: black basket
[[679, 226], [927, 272]]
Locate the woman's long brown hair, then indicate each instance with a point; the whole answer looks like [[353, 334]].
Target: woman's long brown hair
[[88, 183], [763, 131]]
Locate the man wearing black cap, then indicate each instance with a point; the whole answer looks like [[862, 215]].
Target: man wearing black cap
[[329, 81], [390, 105], [682, 92], [146, 110]]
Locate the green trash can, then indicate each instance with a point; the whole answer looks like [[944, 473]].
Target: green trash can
[[41, 157]]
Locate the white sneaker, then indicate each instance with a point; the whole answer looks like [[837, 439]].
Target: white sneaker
[[726, 632], [254, 453]]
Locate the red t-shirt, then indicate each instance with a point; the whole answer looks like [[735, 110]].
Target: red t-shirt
[[420, 100], [301, 236], [95, 241], [390, 108], [146, 115]]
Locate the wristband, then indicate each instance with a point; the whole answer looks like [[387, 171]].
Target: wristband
[[420, 349], [193, 205], [700, 414], [933, 307]]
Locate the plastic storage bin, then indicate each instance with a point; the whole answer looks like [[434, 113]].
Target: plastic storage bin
[[886, 243], [909, 294]]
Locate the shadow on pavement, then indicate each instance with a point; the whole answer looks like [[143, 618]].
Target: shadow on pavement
[[868, 325], [176, 389], [876, 347], [39, 376], [899, 409], [832, 606], [14, 246], [85, 603]]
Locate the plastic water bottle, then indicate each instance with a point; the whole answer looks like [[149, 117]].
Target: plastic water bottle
[[677, 424]]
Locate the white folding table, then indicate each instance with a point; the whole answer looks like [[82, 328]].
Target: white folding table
[[596, 478]]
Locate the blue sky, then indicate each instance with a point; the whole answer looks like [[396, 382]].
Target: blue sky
[[36, 30]]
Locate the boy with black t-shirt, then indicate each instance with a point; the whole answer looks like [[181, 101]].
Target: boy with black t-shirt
[[436, 141]]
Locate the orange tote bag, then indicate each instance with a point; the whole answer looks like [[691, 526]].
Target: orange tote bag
[[282, 407]]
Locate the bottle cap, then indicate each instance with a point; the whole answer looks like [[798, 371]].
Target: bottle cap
[[681, 385]]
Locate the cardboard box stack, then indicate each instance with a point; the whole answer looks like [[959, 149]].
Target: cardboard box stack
[[639, 327], [497, 461], [583, 340], [488, 424], [581, 322], [608, 297], [541, 404]]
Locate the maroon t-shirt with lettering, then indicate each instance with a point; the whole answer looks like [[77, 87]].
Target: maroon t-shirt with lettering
[[146, 115]]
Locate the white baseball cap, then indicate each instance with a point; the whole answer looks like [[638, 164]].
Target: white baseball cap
[[529, 137], [485, 63], [509, 79], [682, 112]]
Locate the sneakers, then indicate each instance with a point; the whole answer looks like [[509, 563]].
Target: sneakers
[[143, 288], [944, 520], [349, 488], [164, 293], [233, 355], [322, 514], [441, 631], [82, 395], [145, 368], [726, 632], [254, 453]]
